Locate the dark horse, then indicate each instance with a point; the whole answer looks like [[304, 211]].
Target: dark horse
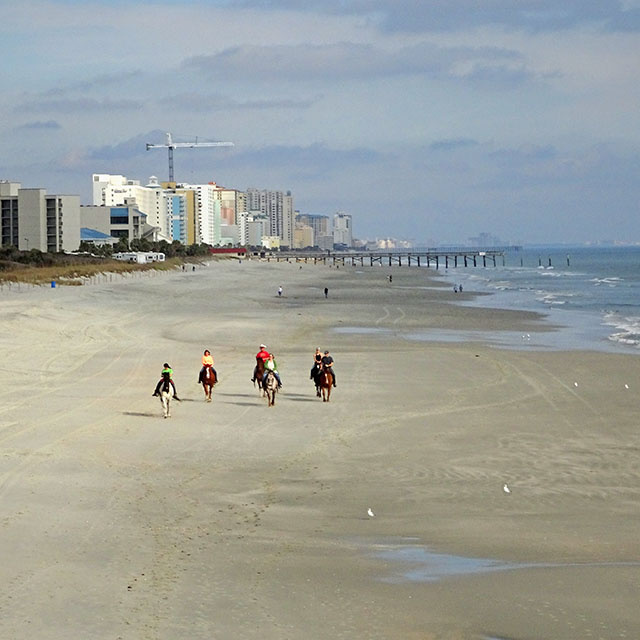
[[208, 380], [324, 381], [258, 373], [316, 372]]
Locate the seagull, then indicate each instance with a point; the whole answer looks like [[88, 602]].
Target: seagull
[[506, 489], [370, 512], [575, 384], [626, 386]]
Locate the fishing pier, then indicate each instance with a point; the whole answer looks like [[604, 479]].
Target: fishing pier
[[437, 258]]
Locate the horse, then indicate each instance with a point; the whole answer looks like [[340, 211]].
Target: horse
[[270, 387], [316, 373], [325, 382], [208, 379], [166, 393], [258, 374]]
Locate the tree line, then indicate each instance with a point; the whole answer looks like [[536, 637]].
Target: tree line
[[170, 249]]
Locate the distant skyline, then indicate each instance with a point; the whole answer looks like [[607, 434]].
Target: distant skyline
[[425, 120]]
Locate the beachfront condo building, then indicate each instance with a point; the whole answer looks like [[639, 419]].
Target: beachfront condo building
[[190, 213], [278, 207], [303, 236], [322, 235], [154, 201], [125, 221], [32, 219], [342, 230]]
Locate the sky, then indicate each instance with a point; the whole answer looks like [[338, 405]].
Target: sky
[[426, 120]]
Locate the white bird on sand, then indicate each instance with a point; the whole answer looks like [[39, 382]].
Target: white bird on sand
[[506, 489], [626, 386], [575, 384], [370, 512]]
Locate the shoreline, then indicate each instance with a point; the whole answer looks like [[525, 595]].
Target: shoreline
[[236, 520]]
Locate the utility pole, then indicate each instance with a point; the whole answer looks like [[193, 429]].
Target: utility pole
[[171, 145]]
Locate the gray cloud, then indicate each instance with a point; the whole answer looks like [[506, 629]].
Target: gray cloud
[[343, 60], [77, 105], [132, 148], [97, 82], [40, 125], [213, 102], [435, 15], [452, 144]]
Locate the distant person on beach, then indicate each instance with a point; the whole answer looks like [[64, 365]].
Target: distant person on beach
[[455, 288], [166, 369], [326, 292], [271, 365], [390, 278], [460, 288], [279, 291], [327, 361], [207, 361]]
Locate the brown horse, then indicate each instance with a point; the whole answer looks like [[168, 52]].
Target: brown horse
[[258, 373], [270, 388], [325, 382], [208, 381]]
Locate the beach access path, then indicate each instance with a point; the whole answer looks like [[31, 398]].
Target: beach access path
[[234, 520]]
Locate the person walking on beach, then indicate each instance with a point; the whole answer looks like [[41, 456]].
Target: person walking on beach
[[166, 369], [279, 292], [207, 361], [326, 292], [327, 361]]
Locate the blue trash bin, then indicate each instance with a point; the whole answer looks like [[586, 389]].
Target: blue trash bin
[[53, 284]]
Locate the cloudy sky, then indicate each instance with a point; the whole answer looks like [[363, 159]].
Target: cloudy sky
[[430, 120]]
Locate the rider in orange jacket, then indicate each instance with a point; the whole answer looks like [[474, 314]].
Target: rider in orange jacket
[[207, 361]]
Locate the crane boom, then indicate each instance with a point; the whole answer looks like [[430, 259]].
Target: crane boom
[[171, 145]]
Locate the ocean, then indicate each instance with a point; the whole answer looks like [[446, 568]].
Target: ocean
[[591, 293]]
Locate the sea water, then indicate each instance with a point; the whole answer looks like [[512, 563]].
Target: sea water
[[592, 293]]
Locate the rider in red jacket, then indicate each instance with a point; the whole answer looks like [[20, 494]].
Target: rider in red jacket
[[261, 356]]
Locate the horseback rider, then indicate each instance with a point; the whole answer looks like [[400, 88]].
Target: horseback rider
[[261, 356], [317, 364], [271, 365], [166, 371], [327, 363], [207, 361]]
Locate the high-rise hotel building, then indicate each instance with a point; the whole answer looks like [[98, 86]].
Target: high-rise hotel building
[[278, 207], [33, 219]]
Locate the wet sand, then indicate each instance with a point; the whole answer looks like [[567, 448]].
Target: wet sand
[[234, 520]]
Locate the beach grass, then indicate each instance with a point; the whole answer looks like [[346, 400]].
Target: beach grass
[[75, 274]]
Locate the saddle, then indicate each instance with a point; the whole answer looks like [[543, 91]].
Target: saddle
[[203, 375]]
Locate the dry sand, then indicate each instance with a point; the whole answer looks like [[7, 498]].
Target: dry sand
[[234, 520]]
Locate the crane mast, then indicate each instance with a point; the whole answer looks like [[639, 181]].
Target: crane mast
[[170, 145]]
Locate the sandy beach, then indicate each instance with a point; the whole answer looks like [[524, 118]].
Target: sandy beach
[[235, 520]]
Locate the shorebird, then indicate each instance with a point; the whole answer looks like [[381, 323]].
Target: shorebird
[[370, 512], [506, 489]]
